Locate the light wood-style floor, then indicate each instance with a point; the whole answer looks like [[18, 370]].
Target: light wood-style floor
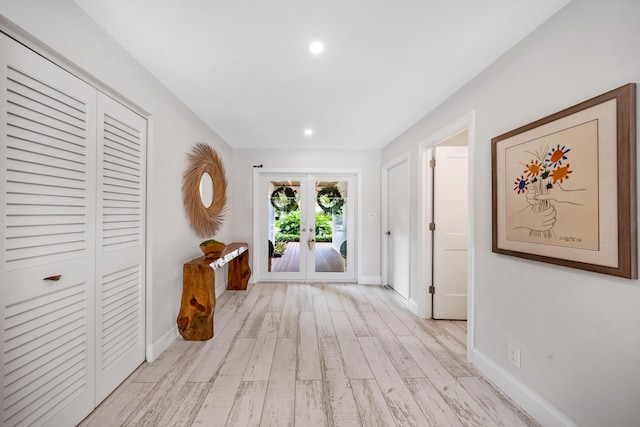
[[313, 355], [327, 259]]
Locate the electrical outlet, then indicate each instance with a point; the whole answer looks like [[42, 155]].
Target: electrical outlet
[[513, 355]]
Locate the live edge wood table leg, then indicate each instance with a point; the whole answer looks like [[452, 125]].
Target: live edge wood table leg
[[239, 272], [195, 320]]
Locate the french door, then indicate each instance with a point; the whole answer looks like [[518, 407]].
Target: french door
[[306, 227]]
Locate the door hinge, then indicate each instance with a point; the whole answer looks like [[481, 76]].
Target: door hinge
[[432, 289], [432, 226], [432, 162]]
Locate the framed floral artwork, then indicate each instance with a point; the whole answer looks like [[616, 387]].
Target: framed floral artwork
[[564, 187]]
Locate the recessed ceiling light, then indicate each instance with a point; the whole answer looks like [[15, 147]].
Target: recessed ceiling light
[[316, 47], [308, 132]]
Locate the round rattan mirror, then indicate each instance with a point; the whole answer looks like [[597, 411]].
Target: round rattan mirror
[[205, 208]]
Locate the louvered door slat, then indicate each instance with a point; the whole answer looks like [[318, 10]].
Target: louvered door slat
[[29, 198], [123, 145], [44, 230], [114, 185], [16, 222], [26, 154], [121, 196], [28, 106], [46, 147], [22, 166], [24, 242], [121, 178], [44, 182], [124, 231], [113, 155], [48, 136], [121, 151], [29, 209], [124, 169], [44, 143], [50, 190], [120, 129], [36, 124], [37, 87]]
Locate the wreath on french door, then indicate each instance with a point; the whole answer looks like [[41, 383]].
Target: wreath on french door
[[283, 199], [330, 200]]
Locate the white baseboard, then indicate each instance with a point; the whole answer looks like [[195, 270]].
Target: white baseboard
[[221, 288], [370, 280], [413, 306], [154, 349], [543, 412]]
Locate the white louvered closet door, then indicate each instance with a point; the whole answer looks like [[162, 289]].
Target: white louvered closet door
[[120, 244], [47, 209], [72, 204]]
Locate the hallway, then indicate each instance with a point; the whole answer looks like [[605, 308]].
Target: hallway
[[313, 355]]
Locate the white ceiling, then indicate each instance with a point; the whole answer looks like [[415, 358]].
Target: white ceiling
[[245, 69]]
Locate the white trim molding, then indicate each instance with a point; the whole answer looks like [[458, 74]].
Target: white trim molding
[[156, 348], [423, 297], [369, 280], [543, 412]]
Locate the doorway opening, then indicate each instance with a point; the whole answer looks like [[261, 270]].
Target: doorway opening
[[445, 226], [448, 225], [307, 224]]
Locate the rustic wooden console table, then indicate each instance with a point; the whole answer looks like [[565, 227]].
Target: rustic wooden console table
[[195, 320]]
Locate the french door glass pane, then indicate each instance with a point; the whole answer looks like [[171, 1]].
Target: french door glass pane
[[284, 226], [331, 227]]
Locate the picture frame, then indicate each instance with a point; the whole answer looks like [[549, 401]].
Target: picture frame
[[564, 187]]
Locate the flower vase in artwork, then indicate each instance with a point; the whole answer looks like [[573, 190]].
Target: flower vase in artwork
[[541, 188], [542, 174]]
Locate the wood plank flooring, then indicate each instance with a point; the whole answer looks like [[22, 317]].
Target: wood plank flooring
[[313, 355], [327, 259]]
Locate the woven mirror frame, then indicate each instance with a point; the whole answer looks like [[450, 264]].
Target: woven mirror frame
[[206, 221]]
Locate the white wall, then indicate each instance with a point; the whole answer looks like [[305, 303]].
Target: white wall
[[173, 130], [368, 161], [579, 332]]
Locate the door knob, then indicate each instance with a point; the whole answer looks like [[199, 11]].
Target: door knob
[[310, 243], [388, 233]]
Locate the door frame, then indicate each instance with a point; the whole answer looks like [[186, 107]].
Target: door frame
[[402, 158], [258, 247], [425, 299]]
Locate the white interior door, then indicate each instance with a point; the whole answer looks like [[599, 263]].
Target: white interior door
[[398, 229], [47, 238], [450, 235], [307, 224], [120, 273]]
